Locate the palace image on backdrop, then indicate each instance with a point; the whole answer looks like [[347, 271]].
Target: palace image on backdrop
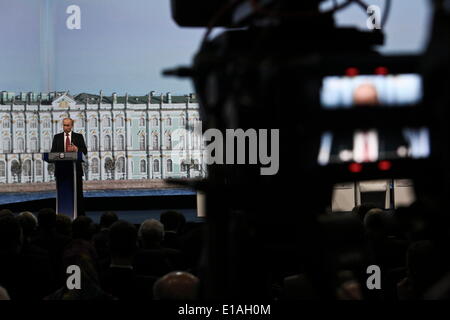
[[128, 137]]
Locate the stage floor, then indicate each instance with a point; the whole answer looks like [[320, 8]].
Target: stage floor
[[6, 198], [131, 205]]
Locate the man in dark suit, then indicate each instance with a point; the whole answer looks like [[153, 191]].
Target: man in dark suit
[[69, 141], [121, 280]]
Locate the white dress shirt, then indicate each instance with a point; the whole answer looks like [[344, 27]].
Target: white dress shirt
[[365, 146]]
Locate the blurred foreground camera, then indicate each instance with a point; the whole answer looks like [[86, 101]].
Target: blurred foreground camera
[[344, 112]]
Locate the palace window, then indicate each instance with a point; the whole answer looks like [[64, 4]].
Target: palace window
[[33, 144], [20, 145], [94, 143], [142, 142], [155, 165], [121, 165], [120, 142], [143, 166], [168, 141], [6, 145], [26, 169], [155, 142], [107, 141], [38, 167], [94, 166], [2, 169]]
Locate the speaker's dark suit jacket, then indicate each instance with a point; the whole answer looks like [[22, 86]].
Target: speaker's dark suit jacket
[[59, 140]]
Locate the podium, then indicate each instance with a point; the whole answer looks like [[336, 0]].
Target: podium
[[66, 180]]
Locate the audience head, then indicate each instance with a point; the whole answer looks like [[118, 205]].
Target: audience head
[[4, 294], [28, 222], [182, 222], [151, 232], [64, 225], [361, 210], [83, 255], [10, 234], [83, 228], [374, 221], [414, 221], [171, 220], [46, 219], [348, 286], [424, 265], [122, 239], [176, 286], [6, 212], [80, 254], [107, 219]]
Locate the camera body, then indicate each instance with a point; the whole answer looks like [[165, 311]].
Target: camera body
[[273, 69], [200, 13]]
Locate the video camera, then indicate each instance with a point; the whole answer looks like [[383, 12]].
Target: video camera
[[344, 112]]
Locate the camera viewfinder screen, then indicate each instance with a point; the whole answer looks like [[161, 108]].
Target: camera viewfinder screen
[[370, 90], [372, 145]]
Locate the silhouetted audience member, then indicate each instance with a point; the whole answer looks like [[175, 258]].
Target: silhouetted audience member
[[28, 222], [63, 225], [440, 290], [151, 233], [388, 251], [11, 235], [349, 288], [299, 287], [424, 269], [107, 219], [101, 238], [4, 294], [24, 276], [80, 254], [192, 245], [153, 259], [375, 226], [47, 238], [83, 228], [414, 222], [177, 286], [361, 210], [385, 250], [120, 279], [172, 222], [182, 223], [6, 212]]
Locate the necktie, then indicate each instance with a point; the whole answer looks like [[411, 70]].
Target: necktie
[[67, 141], [366, 154]]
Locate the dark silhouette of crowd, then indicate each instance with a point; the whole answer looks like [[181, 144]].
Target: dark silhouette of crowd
[[159, 259], [116, 260], [405, 244]]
